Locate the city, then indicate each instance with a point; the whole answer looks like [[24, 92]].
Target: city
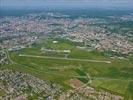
[[62, 55]]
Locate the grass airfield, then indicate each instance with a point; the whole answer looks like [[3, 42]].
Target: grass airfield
[[116, 77]]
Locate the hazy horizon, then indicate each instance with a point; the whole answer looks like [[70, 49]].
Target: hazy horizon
[[34, 4]]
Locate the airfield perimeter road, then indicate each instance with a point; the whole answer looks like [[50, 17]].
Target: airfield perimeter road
[[71, 59]]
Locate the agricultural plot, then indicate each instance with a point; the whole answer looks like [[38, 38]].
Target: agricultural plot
[[110, 74]]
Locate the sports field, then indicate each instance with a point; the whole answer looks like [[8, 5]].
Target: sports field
[[111, 74]]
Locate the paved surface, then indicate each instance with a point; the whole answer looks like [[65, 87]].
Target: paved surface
[[59, 58]]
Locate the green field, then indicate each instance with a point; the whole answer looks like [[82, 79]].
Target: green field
[[2, 92], [114, 77]]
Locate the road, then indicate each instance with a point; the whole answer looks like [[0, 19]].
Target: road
[[102, 78], [8, 56]]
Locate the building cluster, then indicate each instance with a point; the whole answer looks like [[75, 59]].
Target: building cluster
[[97, 38], [18, 32], [19, 85], [3, 58], [92, 93]]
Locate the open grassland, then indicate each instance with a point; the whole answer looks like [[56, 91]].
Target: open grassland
[[2, 92], [115, 76]]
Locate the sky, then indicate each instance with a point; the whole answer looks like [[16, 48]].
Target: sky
[[25, 4]]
